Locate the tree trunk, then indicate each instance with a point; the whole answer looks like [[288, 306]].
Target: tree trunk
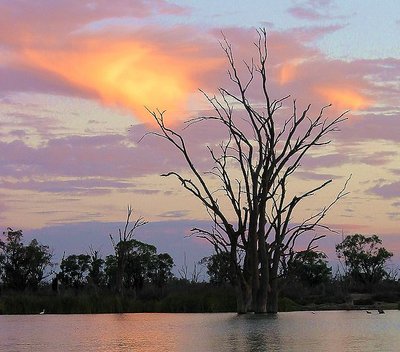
[[242, 288], [260, 305], [252, 255], [272, 303], [120, 276], [243, 298]]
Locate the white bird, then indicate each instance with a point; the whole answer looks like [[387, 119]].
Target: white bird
[[42, 312]]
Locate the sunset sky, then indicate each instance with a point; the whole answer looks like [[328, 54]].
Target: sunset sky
[[75, 77]]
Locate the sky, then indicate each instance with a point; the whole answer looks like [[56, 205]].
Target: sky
[[76, 76]]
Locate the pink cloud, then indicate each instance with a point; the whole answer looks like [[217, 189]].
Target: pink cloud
[[108, 156], [105, 156], [370, 126], [3, 208], [48, 18], [50, 62], [312, 10], [305, 13], [76, 33]]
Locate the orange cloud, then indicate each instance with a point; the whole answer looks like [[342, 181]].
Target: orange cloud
[[287, 72], [344, 98], [129, 74]]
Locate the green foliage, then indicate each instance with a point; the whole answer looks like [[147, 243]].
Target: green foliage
[[364, 257], [96, 269], [75, 270], [161, 273], [310, 268], [22, 266], [218, 268], [142, 265]]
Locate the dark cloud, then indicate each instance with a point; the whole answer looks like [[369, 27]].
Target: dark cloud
[[308, 175], [389, 190]]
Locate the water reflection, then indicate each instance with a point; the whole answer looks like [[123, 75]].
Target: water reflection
[[298, 331]]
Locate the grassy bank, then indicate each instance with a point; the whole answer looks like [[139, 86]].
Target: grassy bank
[[210, 300], [198, 299]]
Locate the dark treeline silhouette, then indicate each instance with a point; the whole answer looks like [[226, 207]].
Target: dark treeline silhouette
[[87, 283]]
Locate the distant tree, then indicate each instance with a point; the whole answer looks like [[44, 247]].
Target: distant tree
[[140, 262], [161, 270], [364, 258], [218, 268], [75, 270], [142, 265], [22, 266], [110, 271], [96, 268], [310, 268], [122, 247], [187, 275]]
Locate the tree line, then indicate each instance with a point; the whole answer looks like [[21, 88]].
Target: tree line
[[27, 267], [306, 274]]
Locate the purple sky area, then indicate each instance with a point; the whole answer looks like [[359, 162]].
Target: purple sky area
[[75, 77]]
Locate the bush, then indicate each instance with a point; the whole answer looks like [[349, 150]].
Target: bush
[[285, 304]]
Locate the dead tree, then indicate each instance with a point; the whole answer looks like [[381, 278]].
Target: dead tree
[[123, 246], [250, 208]]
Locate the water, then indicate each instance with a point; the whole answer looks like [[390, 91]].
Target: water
[[296, 331]]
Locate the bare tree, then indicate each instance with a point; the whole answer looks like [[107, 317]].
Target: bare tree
[[194, 276], [123, 246], [251, 209]]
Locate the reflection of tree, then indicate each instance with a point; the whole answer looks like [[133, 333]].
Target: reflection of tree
[[252, 208]]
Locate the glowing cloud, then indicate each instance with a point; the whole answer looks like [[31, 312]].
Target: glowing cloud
[[287, 73], [344, 98], [128, 74]]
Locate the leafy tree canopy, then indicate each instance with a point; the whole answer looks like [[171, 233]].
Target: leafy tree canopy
[[364, 257], [22, 266], [310, 268]]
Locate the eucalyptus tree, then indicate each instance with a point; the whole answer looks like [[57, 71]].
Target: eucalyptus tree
[[251, 208], [364, 258], [123, 246], [74, 270], [22, 266]]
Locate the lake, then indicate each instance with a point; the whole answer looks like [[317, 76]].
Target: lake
[[294, 331]]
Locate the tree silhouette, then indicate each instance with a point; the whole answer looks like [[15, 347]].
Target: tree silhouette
[[364, 257], [75, 270], [251, 207], [310, 268], [123, 247], [22, 266]]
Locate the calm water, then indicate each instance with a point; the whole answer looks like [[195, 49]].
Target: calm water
[[297, 331]]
